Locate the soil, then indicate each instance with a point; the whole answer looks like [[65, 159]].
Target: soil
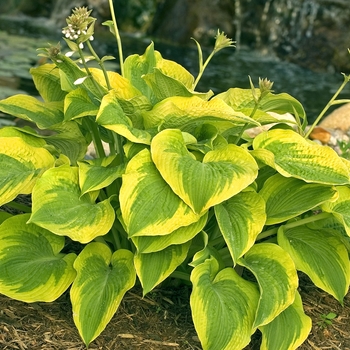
[[159, 321]]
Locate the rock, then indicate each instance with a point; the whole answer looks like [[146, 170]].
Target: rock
[[321, 134], [338, 119], [179, 20]]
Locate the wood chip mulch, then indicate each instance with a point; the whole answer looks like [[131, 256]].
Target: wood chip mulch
[[159, 321]]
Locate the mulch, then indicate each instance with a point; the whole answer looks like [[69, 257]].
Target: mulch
[[159, 321]]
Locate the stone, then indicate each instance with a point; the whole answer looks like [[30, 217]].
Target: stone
[[338, 119]]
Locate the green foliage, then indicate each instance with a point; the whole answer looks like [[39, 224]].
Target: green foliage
[[326, 319], [185, 190]]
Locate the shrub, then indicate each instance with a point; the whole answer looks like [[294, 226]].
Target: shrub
[[187, 190]]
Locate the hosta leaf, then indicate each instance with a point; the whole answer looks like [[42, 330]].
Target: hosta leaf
[[341, 207], [153, 268], [43, 114], [223, 307], [187, 113], [94, 177], [241, 218], [321, 255], [47, 81], [78, 104], [4, 216], [242, 99], [102, 280], [287, 198], [122, 86], [222, 174], [288, 330], [32, 267], [282, 103], [176, 71], [164, 86], [277, 277], [148, 205], [150, 244], [59, 206], [70, 72], [20, 166], [238, 98], [69, 140], [293, 156], [28, 135], [135, 66], [112, 117]]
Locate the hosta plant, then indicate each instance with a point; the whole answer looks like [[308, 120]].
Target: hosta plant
[[192, 187]]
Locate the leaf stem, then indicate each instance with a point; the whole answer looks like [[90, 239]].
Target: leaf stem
[[96, 139], [81, 54], [300, 222], [329, 104], [99, 61], [181, 275], [21, 207]]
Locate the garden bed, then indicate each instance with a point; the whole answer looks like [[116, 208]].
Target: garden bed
[[160, 321]]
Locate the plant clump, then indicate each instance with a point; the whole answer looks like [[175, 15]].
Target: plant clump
[[185, 191]]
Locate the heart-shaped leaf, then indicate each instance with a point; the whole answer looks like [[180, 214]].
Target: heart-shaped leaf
[[341, 207], [241, 218], [287, 198], [223, 307], [58, 205], [112, 117], [30, 108], [222, 174], [188, 113], [148, 204], [16, 175], [321, 255], [102, 280], [277, 277], [151, 244], [32, 265], [293, 156], [47, 81], [288, 330], [153, 268]]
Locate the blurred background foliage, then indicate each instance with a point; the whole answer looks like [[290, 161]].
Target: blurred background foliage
[[302, 45]]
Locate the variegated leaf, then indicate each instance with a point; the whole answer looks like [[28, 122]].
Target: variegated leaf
[[222, 174], [58, 205], [21, 164], [287, 198], [293, 156], [78, 104], [321, 255], [94, 176], [30, 108], [32, 265], [288, 330], [277, 277], [223, 307], [153, 268], [241, 218], [188, 113], [148, 204], [102, 280], [150, 244], [47, 81], [112, 117], [341, 207]]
